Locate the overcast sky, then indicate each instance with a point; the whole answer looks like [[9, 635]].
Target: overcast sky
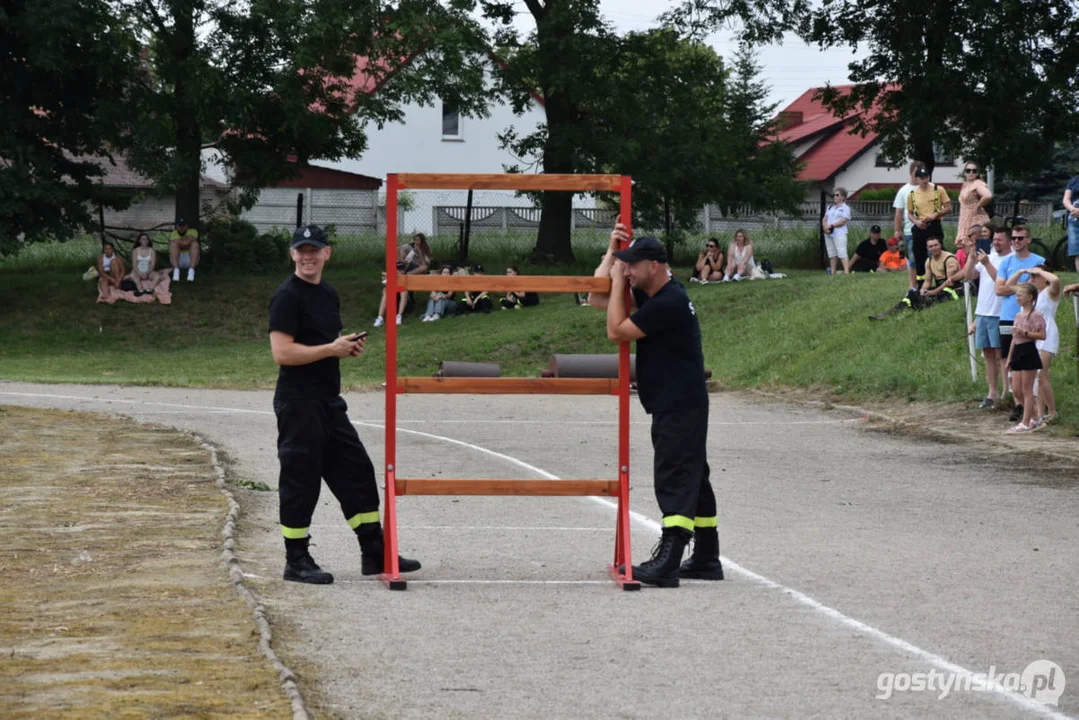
[[790, 69]]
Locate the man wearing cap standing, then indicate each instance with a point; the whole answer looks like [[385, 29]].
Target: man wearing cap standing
[[926, 205], [315, 439], [670, 384], [867, 256], [184, 250]]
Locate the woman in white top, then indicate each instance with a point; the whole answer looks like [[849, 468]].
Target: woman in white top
[[834, 223], [739, 257], [1048, 284], [413, 258], [110, 270], [143, 263]]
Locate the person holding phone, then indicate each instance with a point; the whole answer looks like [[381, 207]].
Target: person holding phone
[[315, 439]]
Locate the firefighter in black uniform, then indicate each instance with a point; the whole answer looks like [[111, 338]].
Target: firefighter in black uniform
[[670, 384], [315, 439]]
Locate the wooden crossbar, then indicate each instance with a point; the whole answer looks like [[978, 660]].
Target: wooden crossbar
[[508, 386], [508, 181], [505, 283], [454, 486]]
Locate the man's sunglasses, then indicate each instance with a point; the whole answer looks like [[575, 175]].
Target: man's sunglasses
[[970, 170], [1020, 237]]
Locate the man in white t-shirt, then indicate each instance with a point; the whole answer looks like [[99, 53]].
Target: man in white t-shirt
[[903, 224], [986, 327]]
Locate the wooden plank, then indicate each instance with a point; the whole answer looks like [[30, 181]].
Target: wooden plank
[[508, 386], [505, 283], [454, 486], [509, 181]]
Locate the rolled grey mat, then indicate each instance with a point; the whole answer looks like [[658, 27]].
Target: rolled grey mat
[[590, 366], [455, 368]]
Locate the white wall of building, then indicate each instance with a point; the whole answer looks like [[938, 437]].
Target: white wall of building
[[864, 171]]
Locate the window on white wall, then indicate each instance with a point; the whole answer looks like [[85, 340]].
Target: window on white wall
[[451, 122]]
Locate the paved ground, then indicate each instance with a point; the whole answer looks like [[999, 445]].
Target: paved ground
[[851, 552]]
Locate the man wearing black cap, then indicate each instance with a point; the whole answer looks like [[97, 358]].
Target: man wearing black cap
[[315, 439], [867, 256], [670, 384], [926, 205]]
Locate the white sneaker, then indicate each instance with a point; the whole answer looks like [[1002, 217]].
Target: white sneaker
[[434, 317], [737, 277], [191, 274], [176, 274], [379, 321], [398, 319], [695, 279], [725, 279]]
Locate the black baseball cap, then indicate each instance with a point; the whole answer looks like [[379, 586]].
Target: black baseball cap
[[921, 172], [643, 248], [875, 229], [180, 222], [309, 235]]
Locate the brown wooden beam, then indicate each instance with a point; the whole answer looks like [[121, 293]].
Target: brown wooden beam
[[508, 386], [453, 486], [505, 283], [509, 181]]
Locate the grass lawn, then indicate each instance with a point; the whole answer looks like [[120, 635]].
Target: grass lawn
[[807, 331]]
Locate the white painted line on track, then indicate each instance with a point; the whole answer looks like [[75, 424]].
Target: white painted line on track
[[857, 625], [484, 582], [485, 528]]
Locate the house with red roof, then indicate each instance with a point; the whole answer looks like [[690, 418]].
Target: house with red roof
[[833, 155]]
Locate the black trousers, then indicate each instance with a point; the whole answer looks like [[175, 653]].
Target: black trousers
[[683, 489], [918, 238], [316, 441]]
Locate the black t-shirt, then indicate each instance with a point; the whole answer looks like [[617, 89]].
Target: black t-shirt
[[670, 364], [868, 255], [311, 314]]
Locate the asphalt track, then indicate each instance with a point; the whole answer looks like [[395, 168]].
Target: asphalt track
[[850, 552]]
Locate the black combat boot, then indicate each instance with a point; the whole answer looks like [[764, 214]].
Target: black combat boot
[[662, 569], [704, 563], [300, 566], [373, 552]]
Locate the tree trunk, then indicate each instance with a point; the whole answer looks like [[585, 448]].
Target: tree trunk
[[553, 241], [188, 159]]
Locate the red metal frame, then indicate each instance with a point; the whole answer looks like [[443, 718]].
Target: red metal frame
[[622, 555]]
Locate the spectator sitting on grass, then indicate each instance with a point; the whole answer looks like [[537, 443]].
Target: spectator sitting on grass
[[739, 257], [867, 256], [110, 270], [440, 302], [476, 301], [516, 300], [184, 250], [890, 259], [143, 264], [943, 281], [709, 267]]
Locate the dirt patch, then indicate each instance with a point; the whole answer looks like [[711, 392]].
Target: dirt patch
[[114, 602]]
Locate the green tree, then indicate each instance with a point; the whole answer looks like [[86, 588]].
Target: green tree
[[994, 81], [267, 80], [64, 68], [649, 104], [1044, 185]]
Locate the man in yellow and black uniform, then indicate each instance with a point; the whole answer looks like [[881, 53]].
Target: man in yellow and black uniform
[[670, 384], [943, 281], [926, 205], [315, 439]]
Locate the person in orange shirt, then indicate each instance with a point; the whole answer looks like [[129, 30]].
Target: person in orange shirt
[[890, 259]]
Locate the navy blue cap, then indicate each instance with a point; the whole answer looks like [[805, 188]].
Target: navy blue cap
[[643, 248], [309, 235]]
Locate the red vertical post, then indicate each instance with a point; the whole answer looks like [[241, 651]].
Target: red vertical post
[[623, 554], [392, 575]]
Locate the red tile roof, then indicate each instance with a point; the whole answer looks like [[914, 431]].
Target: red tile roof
[[118, 174], [835, 147]]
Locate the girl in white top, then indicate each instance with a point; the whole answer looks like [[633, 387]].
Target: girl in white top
[[739, 257], [1048, 286], [834, 223], [143, 262]]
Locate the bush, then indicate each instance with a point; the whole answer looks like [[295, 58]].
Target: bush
[[237, 244], [885, 193]]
